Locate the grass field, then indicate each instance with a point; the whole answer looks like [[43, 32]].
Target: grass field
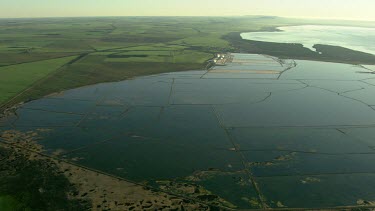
[[16, 78], [117, 48]]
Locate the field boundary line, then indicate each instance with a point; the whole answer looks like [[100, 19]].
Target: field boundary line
[[6, 104]]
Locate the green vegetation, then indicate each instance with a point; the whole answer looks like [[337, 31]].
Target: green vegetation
[[8, 203], [16, 78], [297, 51], [345, 55], [33, 184]]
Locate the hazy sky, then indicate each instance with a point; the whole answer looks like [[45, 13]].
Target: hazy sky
[[342, 9]]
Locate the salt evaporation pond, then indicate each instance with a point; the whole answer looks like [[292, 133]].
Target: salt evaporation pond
[[257, 132]]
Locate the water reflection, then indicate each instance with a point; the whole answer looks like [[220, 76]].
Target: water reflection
[[355, 38]]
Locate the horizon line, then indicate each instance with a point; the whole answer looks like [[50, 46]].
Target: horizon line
[[119, 16]]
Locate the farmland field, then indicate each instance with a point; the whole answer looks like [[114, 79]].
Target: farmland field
[[16, 78]]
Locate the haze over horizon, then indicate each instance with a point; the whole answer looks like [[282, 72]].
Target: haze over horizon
[[326, 9]]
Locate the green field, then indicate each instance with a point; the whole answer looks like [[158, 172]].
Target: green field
[[16, 78], [118, 48]]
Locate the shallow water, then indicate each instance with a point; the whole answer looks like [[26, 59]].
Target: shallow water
[[300, 124], [355, 38]]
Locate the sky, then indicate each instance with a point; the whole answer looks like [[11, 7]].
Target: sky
[[331, 9]]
